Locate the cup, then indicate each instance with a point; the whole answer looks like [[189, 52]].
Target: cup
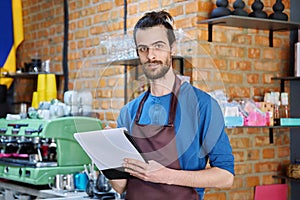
[[34, 102], [50, 95], [72, 110], [71, 97], [81, 180], [51, 83], [70, 185], [41, 96], [56, 110], [86, 109], [57, 182], [44, 114], [23, 110], [85, 98], [41, 88], [41, 82]]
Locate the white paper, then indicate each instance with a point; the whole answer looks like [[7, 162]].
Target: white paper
[[107, 148]]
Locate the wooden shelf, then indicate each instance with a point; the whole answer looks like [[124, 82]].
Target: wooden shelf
[[252, 23], [26, 75]]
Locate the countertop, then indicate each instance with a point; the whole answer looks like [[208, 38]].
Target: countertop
[[10, 190]]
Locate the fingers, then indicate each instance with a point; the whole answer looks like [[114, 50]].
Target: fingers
[[135, 165], [151, 171]]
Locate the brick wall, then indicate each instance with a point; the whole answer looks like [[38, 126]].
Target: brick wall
[[239, 61]]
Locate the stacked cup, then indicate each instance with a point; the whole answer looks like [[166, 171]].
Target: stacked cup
[[51, 92], [46, 89], [85, 99], [41, 88], [71, 101], [34, 102]]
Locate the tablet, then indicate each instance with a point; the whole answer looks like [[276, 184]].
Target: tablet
[[108, 148]]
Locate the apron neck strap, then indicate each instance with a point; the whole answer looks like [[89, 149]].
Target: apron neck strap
[[174, 100]]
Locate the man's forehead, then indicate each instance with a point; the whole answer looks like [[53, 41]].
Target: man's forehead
[[151, 35]]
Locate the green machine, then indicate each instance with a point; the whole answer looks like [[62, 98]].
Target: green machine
[[34, 150]]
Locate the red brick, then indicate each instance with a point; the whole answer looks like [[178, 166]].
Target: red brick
[[242, 169], [253, 78], [268, 153], [238, 156], [241, 194], [215, 196], [240, 65], [283, 151], [252, 181], [253, 154], [254, 53], [266, 166]]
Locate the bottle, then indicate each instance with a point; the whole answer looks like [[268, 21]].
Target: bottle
[[276, 114], [45, 149], [284, 105], [52, 150], [297, 59]]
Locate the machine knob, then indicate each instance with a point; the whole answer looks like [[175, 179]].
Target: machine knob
[[15, 130], [29, 131], [6, 169], [3, 130]]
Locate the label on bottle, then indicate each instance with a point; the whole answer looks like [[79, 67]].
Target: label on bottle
[[297, 59]]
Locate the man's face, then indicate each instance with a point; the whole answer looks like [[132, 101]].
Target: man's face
[[154, 51]]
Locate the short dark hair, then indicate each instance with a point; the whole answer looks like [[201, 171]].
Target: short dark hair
[[154, 18]]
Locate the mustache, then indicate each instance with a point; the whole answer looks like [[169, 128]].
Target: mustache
[[153, 62]]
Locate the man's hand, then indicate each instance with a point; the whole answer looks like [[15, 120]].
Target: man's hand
[[151, 171]]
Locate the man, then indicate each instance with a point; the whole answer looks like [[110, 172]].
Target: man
[[177, 126]]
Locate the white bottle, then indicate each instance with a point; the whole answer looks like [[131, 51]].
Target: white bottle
[[297, 59]]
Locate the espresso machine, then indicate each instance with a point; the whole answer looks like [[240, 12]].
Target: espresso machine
[[35, 150]]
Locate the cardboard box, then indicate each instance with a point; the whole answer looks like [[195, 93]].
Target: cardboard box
[[290, 121], [268, 107], [233, 121]]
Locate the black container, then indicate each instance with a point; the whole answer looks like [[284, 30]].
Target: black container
[[3, 93]]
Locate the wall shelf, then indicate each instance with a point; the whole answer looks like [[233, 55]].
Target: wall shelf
[[252, 23], [31, 76], [271, 135], [26, 75], [283, 79], [283, 178]]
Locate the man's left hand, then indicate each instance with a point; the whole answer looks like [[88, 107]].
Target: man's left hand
[[151, 171]]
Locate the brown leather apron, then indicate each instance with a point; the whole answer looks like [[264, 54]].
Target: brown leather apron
[[158, 143]]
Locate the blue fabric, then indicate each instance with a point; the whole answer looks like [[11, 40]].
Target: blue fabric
[[6, 25], [199, 126]]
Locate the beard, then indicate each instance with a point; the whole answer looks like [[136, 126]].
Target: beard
[[157, 72]]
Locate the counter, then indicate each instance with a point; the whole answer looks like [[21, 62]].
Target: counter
[[10, 190]]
